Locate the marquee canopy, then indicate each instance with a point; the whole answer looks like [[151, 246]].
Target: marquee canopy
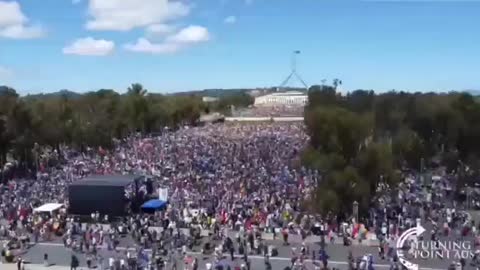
[[48, 207], [154, 204]]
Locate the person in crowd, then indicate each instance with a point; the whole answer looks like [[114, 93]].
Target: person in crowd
[[89, 261], [2, 256], [45, 260], [19, 264], [74, 263]]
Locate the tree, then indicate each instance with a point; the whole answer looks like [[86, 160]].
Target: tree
[[342, 151], [137, 89], [376, 165], [363, 139], [336, 83], [322, 96], [138, 109], [5, 139], [92, 119], [360, 101], [409, 149], [337, 130], [338, 190], [224, 103]]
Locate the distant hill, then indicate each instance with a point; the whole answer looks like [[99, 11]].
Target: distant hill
[[473, 92], [215, 92], [206, 92], [218, 93], [62, 93]]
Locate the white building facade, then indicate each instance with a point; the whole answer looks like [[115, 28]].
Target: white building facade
[[209, 99], [291, 98]]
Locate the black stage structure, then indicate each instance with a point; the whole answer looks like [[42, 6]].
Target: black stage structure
[[105, 194]]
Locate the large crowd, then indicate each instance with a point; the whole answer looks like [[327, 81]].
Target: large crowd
[[270, 111], [233, 175], [240, 177]]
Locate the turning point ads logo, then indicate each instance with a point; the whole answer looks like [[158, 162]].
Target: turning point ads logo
[[419, 249]]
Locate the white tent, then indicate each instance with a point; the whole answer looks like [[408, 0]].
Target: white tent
[[48, 207]]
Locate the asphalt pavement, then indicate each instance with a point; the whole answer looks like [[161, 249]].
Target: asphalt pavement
[[60, 256]]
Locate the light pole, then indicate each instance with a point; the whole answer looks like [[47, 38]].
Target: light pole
[[467, 191], [421, 165], [355, 211]]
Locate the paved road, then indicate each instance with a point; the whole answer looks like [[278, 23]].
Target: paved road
[[60, 256], [257, 263]]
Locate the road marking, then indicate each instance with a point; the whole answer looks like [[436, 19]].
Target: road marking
[[255, 257]]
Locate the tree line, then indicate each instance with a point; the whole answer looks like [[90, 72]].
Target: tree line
[[360, 141], [93, 119]]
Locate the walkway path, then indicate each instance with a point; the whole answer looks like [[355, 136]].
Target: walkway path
[[13, 266]]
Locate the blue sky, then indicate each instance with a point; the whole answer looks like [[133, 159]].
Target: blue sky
[[169, 46]]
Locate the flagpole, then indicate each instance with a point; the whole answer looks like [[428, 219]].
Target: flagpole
[[293, 72]]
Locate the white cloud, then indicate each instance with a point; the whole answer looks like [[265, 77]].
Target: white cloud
[[190, 34], [144, 46], [125, 15], [11, 14], [159, 29], [5, 73], [14, 24], [230, 20], [90, 46], [184, 38], [22, 32]]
